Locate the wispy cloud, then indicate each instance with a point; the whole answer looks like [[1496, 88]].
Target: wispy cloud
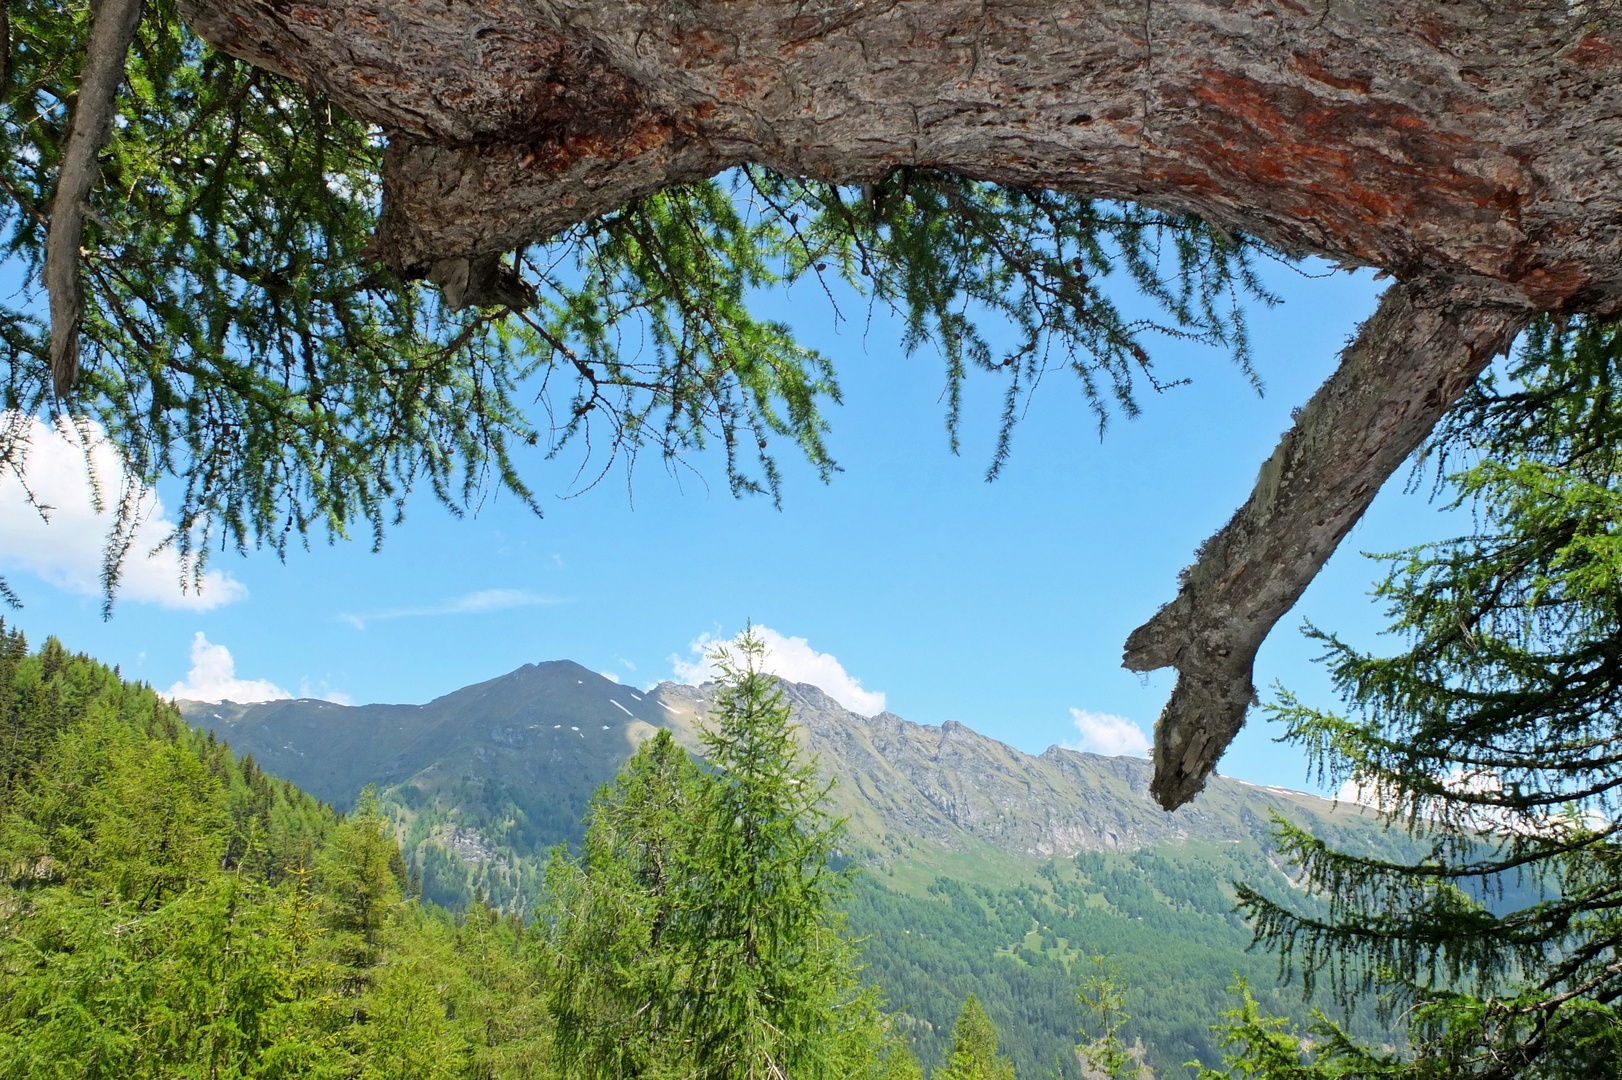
[[474, 603], [213, 677], [790, 658], [324, 691], [1107, 734], [78, 486]]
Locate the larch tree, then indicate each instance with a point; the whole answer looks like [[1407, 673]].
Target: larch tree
[[699, 934], [1491, 735], [1468, 150], [974, 1047]]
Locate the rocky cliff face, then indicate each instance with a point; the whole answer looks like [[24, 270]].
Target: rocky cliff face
[[951, 786]]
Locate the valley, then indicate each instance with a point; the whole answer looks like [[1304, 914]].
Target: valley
[[981, 868]]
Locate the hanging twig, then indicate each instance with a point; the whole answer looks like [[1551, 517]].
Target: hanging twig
[[112, 29]]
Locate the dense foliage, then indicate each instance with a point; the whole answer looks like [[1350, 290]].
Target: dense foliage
[[170, 910], [697, 935], [1492, 735], [239, 337], [974, 1053]]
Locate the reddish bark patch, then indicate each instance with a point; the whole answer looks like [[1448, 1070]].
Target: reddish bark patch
[[1309, 65], [1372, 162], [1595, 51]]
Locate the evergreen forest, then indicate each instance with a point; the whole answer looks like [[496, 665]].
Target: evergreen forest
[[170, 909]]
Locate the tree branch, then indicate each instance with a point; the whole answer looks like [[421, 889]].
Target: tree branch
[[1407, 365], [112, 29], [5, 52]]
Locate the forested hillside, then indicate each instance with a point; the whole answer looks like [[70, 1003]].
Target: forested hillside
[[1164, 916], [983, 870], [171, 910], [168, 909]]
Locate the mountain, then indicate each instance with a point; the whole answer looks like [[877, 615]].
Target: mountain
[[514, 761], [985, 869]]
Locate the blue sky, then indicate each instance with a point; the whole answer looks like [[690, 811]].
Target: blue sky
[[1003, 605]]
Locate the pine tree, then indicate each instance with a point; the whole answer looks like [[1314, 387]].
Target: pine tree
[[778, 970]]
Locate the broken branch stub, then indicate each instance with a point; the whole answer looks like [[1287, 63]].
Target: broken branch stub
[[1406, 366]]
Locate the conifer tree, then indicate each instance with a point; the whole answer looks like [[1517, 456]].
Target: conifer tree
[[974, 1048], [698, 934], [1103, 1004], [621, 937], [1494, 736], [898, 1062]]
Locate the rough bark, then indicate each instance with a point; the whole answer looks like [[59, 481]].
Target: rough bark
[[1476, 139], [1407, 364], [112, 29], [5, 49], [1473, 148]]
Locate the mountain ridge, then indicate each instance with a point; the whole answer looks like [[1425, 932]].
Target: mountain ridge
[[547, 735]]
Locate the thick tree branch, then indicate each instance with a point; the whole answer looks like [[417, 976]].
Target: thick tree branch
[[1476, 144], [1422, 136], [1408, 363], [112, 29], [5, 49]]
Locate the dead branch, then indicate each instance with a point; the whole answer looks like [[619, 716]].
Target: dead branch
[[1408, 363], [5, 48], [112, 29]]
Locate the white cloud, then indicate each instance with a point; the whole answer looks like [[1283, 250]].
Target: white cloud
[[213, 677], [474, 603], [790, 658], [610, 676], [324, 692], [64, 542], [1108, 734], [1353, 792]]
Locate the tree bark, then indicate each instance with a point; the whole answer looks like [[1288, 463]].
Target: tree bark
[[1408, 363], [1472, 139], [112, 29], [5, 49], [1472, 148]]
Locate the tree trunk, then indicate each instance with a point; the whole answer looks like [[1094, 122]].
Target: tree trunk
[[1473, 148]]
